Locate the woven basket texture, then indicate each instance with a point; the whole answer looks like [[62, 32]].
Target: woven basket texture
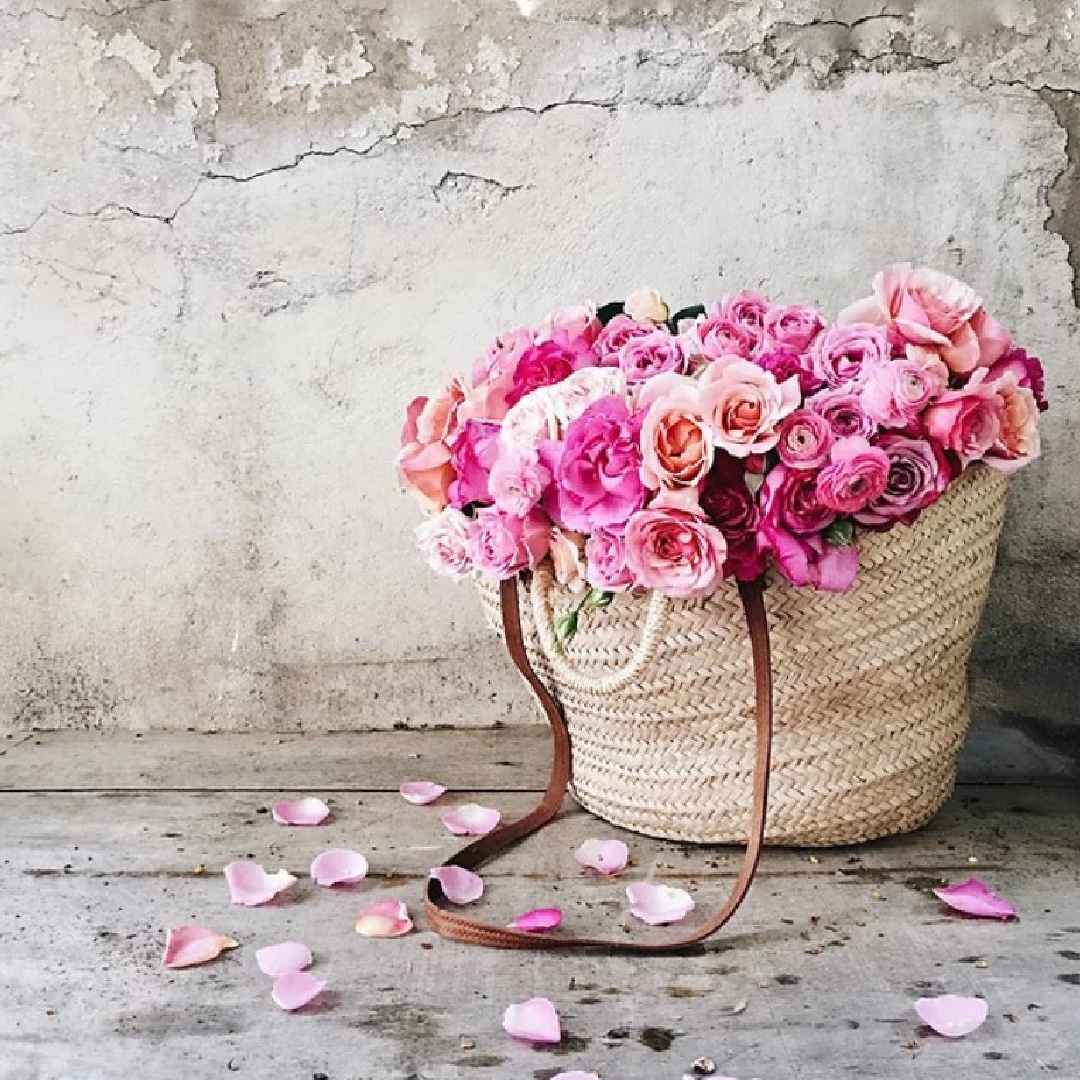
[[870, 689]]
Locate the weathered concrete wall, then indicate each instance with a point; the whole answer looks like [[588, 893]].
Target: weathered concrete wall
[[237, 236]]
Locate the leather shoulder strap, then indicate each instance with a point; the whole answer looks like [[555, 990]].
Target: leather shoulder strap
[[451, 924]]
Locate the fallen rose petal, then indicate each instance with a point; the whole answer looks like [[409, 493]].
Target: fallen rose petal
[[658, 904], [471, 820], [387, 918], [421, 792], [951, 1015], [186, 946], [296, 989], [460, 886], [338, 866], [278, 960], [251, 885], [605, 856], [534, 1020], [538, 920], [300, 812], [577, 1074], [973, 898]]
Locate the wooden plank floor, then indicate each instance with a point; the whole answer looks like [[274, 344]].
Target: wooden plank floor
[[107, 840]]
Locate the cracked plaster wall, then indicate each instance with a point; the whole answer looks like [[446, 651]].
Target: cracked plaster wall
[[237, 236]]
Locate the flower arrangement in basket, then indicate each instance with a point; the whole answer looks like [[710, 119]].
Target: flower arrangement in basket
[[631, 458]]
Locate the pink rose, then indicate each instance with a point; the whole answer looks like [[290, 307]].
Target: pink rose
[[568, 559], [805, 439], [789, 499], [810, 560], [647, 355], [794, 327], [896, 391], [744, 405], [605, 557], [674, 551], [618, 332], [446, 542], [503, 545], [501, 360], [729, 503], [549, 362], [844, 354], [597, 475], [855, 476], [918, 475], [676, 443], [1018, 442], [994, 340], [713, 336], [517, 480], [578, 321], [747, 309], [783, 363], [474, 452], [966, 421], [843, 409], [423, 463], [1028, 371]]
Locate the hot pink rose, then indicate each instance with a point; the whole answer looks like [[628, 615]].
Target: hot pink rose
[[896, 391], [597, 476], [745, 405], [789, 499], [423, 463], [517, 479], [805, 439], [855, 476], [713, 336], [474, 452], [796, 327], [810, 560], [605, 556], [644, 356], [1018, 442], [503, 545], [618, 332], [676, 443], [1028, 371], [729, 503], [845, 354], [966, 421], [549, 362], [674, 551], [843, 409], [446, 541], [748, 310], [783, 363], [918, 475], [578, 321]]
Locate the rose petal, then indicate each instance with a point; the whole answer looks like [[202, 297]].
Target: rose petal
[[577, 1074], [471, 820], [186, 946], [338, 866], [459, 885], [534, 1020], [951, 1015], [387, 918], [658, 904], [537, 920], [973, 898], [421, 792], [296, 989], [251, 885], [300, 812], [278, 960], [605, 856]]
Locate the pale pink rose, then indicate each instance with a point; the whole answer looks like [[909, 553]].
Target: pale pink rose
[[748, 310], [517, 480], [846, 354], [843, 409], [500, 361], [676, 442], [967, 421], [805, 439], [618, 331], [446, 542], [918, 475], [855, 476], [578, 321], [794, 327], [745, 405], [502, 545], [896, 391], [1018, 443], [605, 555], [571, 397], [674, 551], [423, 463], [646, 305], [994, 340], [644, 357], [568, 559], [715, 335], [532, 420]]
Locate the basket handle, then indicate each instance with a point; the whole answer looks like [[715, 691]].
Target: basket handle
[[457, 927], [544, 620]]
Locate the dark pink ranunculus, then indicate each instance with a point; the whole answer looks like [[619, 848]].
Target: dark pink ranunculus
[[795, 327], [1028, 371], [647, 355], [810, 559], [474, 452], [618, 332], [966, 421], [716, 335], [855, 476], [783, 362], [846, 353], [789, 499], [919, 472], [805, 439], [598, 473], [844, 410], [503, 544], [549, 362], [605, 562]]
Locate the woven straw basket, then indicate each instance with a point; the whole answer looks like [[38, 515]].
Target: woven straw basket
[[870, 689]]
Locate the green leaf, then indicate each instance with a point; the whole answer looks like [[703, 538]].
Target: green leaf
[[841, 532], [597, 598], [691, 312], [566, 627], [608, 311]]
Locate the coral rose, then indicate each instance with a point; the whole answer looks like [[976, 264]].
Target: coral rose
[[423, 463], [676, 443], [1018, 442], [744, 405], [568, 559]]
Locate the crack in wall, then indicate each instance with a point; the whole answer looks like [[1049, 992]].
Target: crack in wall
[[1063, 194]]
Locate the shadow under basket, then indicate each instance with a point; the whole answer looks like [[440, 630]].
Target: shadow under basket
[[870, 688]]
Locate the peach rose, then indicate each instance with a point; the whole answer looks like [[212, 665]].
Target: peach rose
[[568, 558], [745, 404], [1018, 442], [423, 463], [676, 443]]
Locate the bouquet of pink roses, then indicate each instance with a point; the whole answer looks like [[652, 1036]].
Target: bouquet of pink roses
[[640, 449]]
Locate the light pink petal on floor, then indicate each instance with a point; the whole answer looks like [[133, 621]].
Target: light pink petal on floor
[[951, 1015], [534, 1020], [460, 886], [658, 904], [538, 920], [973, 898], [471, 820], [604, 856], [300, 811], [278, 960], [577, 1074], [186, 946], [340, 866], [421, 792], [251, 885], [295, 989], [387, 918]]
